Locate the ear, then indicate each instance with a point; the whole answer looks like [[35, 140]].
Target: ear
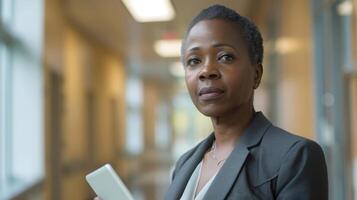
[[258, 73]]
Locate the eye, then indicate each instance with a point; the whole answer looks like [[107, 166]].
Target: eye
[[226, 58], [193, 62]]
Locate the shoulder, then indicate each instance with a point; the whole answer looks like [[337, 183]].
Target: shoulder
[[292, 147], [278, 143], [279, 146], [184, 157], [299, 163]]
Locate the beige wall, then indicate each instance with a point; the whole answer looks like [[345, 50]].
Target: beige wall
[[296, 78], [90, 76]]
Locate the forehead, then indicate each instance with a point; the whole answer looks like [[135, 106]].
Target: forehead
[[214, 31]]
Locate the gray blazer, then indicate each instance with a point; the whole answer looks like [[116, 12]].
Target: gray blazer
[[266, 163]]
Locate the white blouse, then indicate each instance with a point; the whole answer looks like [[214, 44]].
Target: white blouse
[[191, 187]]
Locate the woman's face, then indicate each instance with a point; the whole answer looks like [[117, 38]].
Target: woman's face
[[219, 75]]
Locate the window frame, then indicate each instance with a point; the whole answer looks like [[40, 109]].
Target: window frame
[[15, 51]]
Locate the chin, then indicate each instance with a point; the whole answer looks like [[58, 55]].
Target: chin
[[211, 111]]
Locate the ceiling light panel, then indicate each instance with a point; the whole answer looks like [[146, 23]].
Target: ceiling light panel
[[150, 10]]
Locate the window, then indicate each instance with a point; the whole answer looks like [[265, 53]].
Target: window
[[335, 76], [134, 137], [162, 128], [21, 96], [354, 34]]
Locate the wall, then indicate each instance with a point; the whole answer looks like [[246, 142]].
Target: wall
[[287, 85], [84, 109], [296, 69]]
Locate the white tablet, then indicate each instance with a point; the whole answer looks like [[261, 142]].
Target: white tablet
[[107, 184]]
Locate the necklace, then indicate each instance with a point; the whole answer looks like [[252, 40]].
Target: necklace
[[214, 155]]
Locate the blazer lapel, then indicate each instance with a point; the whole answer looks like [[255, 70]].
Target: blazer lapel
[[227, 174], [230, 170], [183, 175]]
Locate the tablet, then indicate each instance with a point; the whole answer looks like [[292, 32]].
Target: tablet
[[107, 184]]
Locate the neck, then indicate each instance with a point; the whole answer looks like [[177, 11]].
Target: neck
[[229, 128]]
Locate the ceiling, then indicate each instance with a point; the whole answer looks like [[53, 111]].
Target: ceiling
[[110, 23]]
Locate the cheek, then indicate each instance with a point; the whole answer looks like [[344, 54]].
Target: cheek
[[247, 88], [190, 83], [242, 86]]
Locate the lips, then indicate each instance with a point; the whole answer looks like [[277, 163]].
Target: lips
[[210, 93]]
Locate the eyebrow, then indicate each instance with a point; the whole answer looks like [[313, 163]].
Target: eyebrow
[[214, 46]]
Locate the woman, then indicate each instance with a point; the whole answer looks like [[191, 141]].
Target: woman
[[246, 157]]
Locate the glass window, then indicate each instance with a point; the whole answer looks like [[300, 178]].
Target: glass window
[[189, 125], [21, 96], [353, 123], [5, 80], [352, 82], [162, 128], [335, 74], [134, 137]]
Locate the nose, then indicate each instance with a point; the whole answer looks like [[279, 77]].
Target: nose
[[210, 71]]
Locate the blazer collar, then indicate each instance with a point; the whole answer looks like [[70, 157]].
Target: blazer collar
[[229, 172], [255, 131]]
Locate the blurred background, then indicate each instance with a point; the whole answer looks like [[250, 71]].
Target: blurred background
[[89, 82]]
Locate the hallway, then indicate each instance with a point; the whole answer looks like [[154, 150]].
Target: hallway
[[87, 82]]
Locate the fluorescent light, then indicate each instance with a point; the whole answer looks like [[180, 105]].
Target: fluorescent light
[[150, 10], [168, 48], [345, 8], [177, 70]]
